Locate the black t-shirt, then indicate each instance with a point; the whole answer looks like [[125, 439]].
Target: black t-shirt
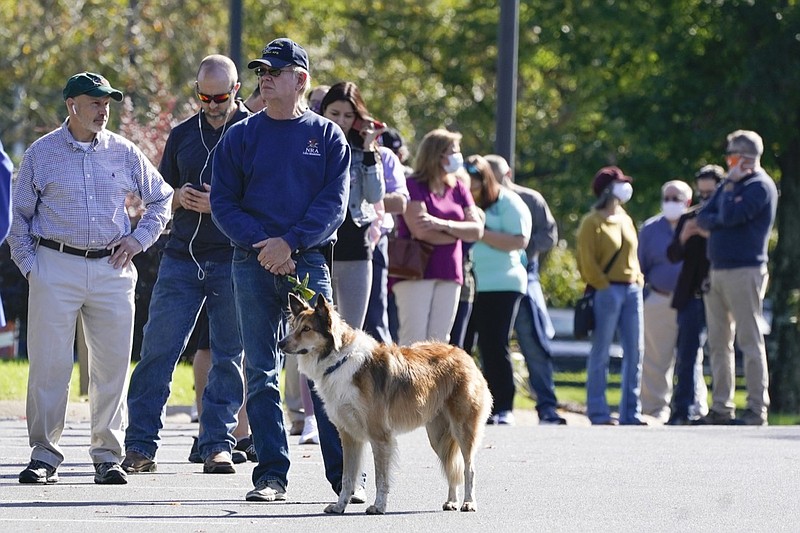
[[188, 155], [352, 243]]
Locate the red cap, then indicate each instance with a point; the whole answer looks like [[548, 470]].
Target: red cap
[[605, 177]]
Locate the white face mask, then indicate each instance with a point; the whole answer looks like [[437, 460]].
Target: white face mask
[[672, 211], [454, 162], [622, 191]]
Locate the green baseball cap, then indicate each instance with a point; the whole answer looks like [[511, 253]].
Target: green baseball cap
[[91, 84]]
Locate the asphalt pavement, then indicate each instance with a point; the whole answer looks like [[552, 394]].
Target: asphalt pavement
[[529, 478]]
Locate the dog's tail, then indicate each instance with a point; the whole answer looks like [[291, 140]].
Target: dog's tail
[[444, 443]]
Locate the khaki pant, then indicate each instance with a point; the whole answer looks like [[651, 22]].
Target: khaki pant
[[61, 287], [658, 363], [426, 309], [734, 305]]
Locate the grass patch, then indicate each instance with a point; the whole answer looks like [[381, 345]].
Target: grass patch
[[570, 389], [14, 383]]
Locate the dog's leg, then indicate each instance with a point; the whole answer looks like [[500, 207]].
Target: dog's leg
[[469, 436], [351, 455], [446, 448], [383, 451]]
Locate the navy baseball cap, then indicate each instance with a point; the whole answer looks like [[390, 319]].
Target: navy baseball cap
[[281, 53], [91, 84]]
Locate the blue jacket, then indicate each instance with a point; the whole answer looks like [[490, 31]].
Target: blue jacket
[[281, 178], [6, 168], [740, 216]]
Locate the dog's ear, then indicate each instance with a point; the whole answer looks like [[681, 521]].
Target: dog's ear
[[296, 304], [322, 305]]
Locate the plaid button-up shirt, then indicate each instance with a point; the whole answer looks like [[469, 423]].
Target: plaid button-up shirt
[[74, 193]]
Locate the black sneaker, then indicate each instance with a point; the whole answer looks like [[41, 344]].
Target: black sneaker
[[109, 474], [238, 457], [38, 472], [246, 445], [714, 418], [194, 454], [552, 419]]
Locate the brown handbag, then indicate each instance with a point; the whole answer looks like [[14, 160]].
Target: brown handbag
[[408, 257]]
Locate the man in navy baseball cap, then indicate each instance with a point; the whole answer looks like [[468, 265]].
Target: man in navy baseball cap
[[281, 53]]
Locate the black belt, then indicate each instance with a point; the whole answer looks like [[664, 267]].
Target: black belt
[[88, 254]]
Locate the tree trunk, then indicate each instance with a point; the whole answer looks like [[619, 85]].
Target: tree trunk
[[784, 344]]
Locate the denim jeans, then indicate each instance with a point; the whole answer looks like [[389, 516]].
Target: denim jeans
[[617, 307], [177, 298], [262, 300], [691, 323], [376, 322], [538, 360]]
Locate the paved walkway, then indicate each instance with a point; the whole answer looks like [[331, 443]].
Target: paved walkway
[[530, 478]]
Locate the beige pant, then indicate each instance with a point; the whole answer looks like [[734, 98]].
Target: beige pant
[[734, 305], [658, 363], [61, 287], [426, 309]]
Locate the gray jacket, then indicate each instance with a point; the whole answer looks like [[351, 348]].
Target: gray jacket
[[366, 188]]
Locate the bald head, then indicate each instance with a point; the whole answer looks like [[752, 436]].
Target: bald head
[[218, 65]]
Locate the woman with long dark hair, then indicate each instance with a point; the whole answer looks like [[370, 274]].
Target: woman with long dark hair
[[352, 255]]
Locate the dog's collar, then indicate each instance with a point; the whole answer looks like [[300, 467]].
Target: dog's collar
[[336, 365]]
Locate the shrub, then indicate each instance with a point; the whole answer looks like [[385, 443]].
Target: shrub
[[561, 282]]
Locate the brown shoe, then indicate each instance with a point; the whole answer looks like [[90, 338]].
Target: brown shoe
[[135, 463], [219, 463]]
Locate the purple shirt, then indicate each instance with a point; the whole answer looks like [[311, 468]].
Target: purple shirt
[[446, 260], [654, 238]]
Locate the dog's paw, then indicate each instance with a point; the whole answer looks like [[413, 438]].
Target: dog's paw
[[335, 508], [469, 507], [374, 510], [450, 506]]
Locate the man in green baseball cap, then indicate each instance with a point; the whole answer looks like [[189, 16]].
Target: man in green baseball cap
[[87, 96]]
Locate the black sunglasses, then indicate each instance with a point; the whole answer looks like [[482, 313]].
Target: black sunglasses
[[216, 98], [273, 72], [672, 199]]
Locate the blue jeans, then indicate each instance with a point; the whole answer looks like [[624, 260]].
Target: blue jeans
[[262, 300], [177, 299], [538, 360], [376, 322], [691, 322], [618, 307]]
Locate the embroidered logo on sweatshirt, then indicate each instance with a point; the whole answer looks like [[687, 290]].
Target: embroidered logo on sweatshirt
[[312, 148]]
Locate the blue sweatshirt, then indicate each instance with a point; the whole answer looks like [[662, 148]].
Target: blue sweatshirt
[[740, 217], [281, 178]]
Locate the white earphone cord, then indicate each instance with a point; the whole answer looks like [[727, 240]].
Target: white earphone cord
[[201, 274]]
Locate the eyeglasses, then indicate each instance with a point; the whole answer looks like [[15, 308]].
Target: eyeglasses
[[216, 98], [273, 72], [672, 199]]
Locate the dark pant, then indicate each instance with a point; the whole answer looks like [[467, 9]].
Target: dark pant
[[376, 322], [494, 314], [691, 322]]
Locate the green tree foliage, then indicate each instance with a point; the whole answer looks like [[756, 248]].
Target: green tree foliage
[[653, 86]]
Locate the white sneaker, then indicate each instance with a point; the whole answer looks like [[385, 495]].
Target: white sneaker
[[505, 418], [193, 416], [310, 435]]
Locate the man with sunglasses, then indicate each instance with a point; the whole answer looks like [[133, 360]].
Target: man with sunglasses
[[195, 270], [279, 190], [739, 218]]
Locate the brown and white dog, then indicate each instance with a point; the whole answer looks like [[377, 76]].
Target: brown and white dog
[[372, 392]]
